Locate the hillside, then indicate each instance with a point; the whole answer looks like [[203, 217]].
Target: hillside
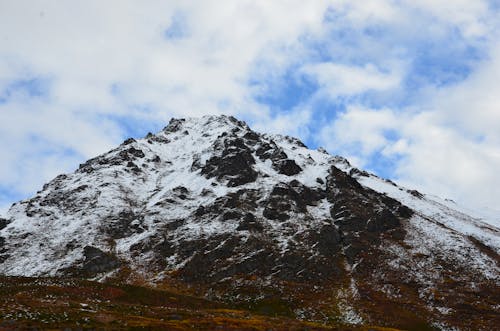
[[261, 223]]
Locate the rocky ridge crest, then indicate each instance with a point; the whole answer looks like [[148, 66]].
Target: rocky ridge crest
[[211, 203]]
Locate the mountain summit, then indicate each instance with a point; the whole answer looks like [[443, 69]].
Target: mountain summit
[[262, 220]]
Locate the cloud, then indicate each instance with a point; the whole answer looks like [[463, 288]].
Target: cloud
[[293, 123], [337, 80], [468, 16], [359, 131], [108, 66], [473, 105], [425, 152], [411, 83]]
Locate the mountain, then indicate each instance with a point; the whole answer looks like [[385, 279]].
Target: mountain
[[210, 207]]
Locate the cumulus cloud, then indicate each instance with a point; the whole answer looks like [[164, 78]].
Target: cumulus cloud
[[104, 66], [411, 82], [426, 152], [360, 131], [337, 80]]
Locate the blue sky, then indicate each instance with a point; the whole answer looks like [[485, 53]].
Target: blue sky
[[407, 90]]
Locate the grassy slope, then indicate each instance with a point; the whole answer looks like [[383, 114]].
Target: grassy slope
[[56, 303]]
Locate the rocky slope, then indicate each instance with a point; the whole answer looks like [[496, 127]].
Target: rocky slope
[[243, 217]]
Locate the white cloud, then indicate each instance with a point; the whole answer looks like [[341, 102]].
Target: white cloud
[[442, 161], [293, 123], [337, 80], [430, 155], [359, 130], [114, 59], [468, 16], [106, 60], [473, 106]]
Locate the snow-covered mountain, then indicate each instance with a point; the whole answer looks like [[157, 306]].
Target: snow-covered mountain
[[245, 216]]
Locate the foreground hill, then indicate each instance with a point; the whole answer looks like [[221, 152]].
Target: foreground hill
[[258, 220]]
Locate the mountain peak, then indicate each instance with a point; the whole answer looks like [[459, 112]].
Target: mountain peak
[[211, 203], [204, 123]]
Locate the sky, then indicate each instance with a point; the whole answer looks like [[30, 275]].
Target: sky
[[409, 90]]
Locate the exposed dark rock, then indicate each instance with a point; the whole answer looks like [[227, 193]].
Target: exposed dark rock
[[163, 249], [130, 154], [174, 224], [250, 223], [262, 151], [307, 195], [135, 152], [404, 212], [204, 264], [384, 220], [357, 172], [286, 198], [282, 200], [3, 223], [3, 250], [81, 188], [295, 141], [180, 192], [338, 180], [352, 223], [174, 125], [125, 156], [397, 234], [416, 193], [277, 212], [205, 192], [159, 139], [390, 182], [68, 200], [287, 167], [85, 167], [297, 265], [129, 141], [123, 225], [352, 251], [361, 214], [251, 136], [271, 151], [231, 215], [234, 164], [326, 240], [133, 167], [200, 211], [244, 200], [96, 261]]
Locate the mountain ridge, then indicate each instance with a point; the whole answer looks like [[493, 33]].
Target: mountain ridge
[[243, 216]]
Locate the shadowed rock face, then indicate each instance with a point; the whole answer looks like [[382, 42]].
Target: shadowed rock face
[[362, 214], [3, 223], [97, 261], [123, 225], [234, 163], [313, 254]]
